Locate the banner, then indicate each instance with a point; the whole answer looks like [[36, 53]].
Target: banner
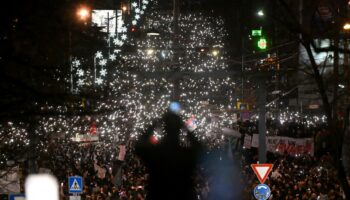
[[234, 118], [292, 146], [247, 142], [231, 132], [85, 138], [245, 116], [122, 152], [101, 171]]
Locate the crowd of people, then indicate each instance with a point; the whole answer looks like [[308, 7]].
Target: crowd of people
[[304, 177], [223, 172], [292, 128], [104, 176]]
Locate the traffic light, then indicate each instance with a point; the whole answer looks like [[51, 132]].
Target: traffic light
[[259, 40], [262, 44], [256, 32]]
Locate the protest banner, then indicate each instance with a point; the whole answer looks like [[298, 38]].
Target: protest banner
[[282, 145], [247, 142]]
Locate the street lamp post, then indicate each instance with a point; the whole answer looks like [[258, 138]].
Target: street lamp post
[[108, 19], [262, 97], [242, 66], [346, 29], [82, 13], [261, 93], [70, 60]]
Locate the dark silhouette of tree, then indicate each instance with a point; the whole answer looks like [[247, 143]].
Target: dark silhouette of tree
[[315, 26]]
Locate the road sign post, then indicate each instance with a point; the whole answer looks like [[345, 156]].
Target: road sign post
[[75, 197], [262, 171]]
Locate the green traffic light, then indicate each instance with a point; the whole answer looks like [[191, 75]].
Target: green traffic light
[[256, 33], [262, 44]]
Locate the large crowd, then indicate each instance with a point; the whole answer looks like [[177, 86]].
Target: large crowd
[[294, 129], [224, 169], [304, 177]]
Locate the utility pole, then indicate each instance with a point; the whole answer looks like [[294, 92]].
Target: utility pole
[[301, 7], [33, 142], [95, 73], [108, 19], [242, 97], [70, 59], [109, 38], [261, 93], [176, 12]]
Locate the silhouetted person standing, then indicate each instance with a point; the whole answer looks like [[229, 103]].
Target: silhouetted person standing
[[171, 166]]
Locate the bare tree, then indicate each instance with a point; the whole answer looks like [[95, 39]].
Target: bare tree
[[327, 86]]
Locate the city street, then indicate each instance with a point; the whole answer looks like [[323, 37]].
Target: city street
[[169, 100]]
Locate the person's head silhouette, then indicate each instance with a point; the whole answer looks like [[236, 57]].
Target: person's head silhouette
[[172, 126], [171, 166]]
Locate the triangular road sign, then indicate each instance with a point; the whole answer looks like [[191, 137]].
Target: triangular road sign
[[262, 171], [75, 186]]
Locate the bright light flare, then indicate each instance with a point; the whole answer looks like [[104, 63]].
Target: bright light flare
[[41, 187], [261, 13], [83, 13], [150, 52], [215, 52], [346, 26], [124, 8], [175, 107]]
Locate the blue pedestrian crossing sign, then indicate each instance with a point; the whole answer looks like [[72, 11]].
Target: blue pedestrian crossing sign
[[75, 184]]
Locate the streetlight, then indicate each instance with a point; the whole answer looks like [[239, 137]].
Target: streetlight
[[215, 52], [83, 13], [346, 26], [260, 13], [124, 8], [150, 52]]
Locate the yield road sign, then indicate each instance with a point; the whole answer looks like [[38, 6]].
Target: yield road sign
[[262, 171]]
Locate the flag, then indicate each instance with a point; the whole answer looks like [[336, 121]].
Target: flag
[[93, 128], [101, 172], [122, 152]]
